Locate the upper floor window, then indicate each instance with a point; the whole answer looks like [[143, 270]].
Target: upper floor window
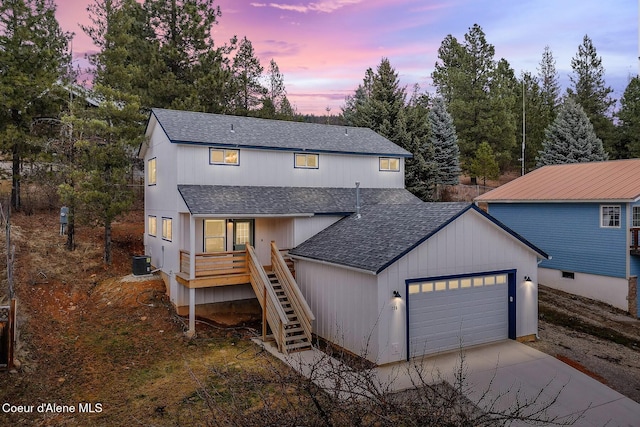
[[153, 225], [390, 164], [610, 216], [307, 161], [151, 171], [636, 216], [224, 156], [167, 229]]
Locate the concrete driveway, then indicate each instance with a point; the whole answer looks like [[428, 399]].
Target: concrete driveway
[[503, 373]]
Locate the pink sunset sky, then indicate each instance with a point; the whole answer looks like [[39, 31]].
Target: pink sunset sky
[[323, 48]]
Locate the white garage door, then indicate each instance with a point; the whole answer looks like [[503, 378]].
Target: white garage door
[[447, 313]]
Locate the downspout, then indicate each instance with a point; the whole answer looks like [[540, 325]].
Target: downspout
[[357, 199]]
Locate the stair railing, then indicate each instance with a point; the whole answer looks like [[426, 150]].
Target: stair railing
[[291, 289], [272, 311]]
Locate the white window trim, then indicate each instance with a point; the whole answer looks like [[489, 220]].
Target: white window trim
[[224, 156], [380, 168], [633, 210], [306, 157], [167, 236], [153, 181], [602, 208], [154, 232]]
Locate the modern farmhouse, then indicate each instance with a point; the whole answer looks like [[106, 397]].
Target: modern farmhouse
[[314, 222]]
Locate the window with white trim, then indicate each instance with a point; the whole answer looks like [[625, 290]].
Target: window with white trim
[[167, 229], [636, 217], [151, 172], [610, 216], [306, 161], [152, 223], [224, 156], [391, 164], [215, 235]]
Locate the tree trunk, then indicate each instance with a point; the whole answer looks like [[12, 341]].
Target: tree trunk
[[71, 230], [107, 242]]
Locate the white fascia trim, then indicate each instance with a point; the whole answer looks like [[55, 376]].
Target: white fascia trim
[[332, 264]]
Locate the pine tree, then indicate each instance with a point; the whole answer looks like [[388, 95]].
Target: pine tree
[[484, 164], [535, 119], [591, 92], [571, 138], [33, 54], [549, 84], [247, 72], [479, 93], [442, 137], [629, 117]]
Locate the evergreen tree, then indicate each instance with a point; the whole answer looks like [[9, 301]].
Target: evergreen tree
[[33, 54], [103, 139], [629, 117], [571, 138], [479, 93], [549, 85], [591, 92], [353, 111], [247, 72], [275, 104], [442, 137], [484, 164]]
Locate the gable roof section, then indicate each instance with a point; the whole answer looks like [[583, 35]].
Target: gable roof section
[[384, 234], [186, 127], [291, 201], [616, 180]]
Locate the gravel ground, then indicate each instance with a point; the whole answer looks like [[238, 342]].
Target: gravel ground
[[594, 337]]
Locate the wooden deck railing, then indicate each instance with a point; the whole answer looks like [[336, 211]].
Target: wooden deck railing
[[297, 300], [215, 264], [272, 310]]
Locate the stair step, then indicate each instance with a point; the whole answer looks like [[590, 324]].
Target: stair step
[[298, 345]]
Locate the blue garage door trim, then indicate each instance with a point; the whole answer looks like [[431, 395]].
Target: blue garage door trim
[[460, 313]]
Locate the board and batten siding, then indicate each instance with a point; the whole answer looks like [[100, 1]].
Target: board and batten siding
[[571, 234], [276, 168], [468, 245], [344, 303]]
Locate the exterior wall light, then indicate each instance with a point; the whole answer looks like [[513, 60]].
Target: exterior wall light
[[396, 294], [527, 280]]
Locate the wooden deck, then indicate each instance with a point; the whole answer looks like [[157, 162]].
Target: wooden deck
[[214, 269]]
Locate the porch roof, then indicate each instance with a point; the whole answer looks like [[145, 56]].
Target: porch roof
[[252, 200]]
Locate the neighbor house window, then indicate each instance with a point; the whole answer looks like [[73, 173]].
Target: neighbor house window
[[224, 156], [153, 225], [167, 229], [610, 216], [306, 161], [636, 216], [390, 164], [151, 171], [568, 275]]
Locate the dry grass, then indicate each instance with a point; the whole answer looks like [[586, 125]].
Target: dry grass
[[88, 336]]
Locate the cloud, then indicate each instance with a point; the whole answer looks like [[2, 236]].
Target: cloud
[[258, 4], [326, 6]]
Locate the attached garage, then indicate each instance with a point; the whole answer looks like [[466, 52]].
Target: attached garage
[[445, 313], [402, 281]]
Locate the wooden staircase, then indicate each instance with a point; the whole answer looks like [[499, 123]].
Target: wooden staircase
[[295, 337], [284, 308]]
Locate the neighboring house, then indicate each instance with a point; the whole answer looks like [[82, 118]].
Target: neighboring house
[[587, 215], [225, 196]]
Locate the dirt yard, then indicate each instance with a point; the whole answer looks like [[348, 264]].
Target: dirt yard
[[100, 347], [593, 337]]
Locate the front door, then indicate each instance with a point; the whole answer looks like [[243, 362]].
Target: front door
[[242, 234]]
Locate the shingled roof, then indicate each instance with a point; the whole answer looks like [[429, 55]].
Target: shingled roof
[[384, 234], [186, 127], [616, 180], [292, 201]]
